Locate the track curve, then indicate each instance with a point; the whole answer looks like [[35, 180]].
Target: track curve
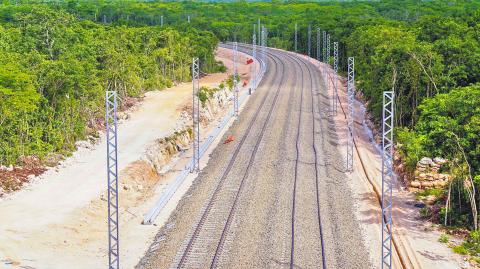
[[277, 196]]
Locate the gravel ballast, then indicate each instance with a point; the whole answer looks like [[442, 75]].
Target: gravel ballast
[[260, 232]]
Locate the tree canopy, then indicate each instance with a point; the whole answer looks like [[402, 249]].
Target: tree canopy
[[55, 68]]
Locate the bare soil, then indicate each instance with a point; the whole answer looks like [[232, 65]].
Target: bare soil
[[58, 220]]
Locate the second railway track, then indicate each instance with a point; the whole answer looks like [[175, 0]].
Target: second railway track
[[314, 112]]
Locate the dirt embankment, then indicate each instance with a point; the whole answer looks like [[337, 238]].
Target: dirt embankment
[[29, 168], [58, 219]]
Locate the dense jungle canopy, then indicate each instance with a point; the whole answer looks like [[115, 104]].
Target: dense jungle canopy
[[58, 57]]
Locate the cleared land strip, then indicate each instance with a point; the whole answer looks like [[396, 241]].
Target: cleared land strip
[[259, 232]]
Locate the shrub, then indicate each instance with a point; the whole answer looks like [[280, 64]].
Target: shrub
[[443, 238]]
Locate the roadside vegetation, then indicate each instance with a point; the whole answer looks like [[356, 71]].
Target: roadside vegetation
[[55, 68], [58, 58]]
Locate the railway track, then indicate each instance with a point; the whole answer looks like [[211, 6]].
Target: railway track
[[297, 158], [314, 149], [187, 252], [314, 112], [226, 228], [317, 188], [185, 259], [240, 213]]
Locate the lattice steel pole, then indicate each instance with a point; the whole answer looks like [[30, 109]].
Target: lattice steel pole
[[309, 46], [335, 78], [296, 32], [196, 115], [387, 177], [259, 31], [328, 49], [260, 42], [264, 45], [235, 77], [112, 177], [254, 67], [318, 44], [324, 46], [351, 97]]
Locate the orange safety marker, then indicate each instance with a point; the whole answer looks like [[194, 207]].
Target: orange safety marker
[[230, 138]]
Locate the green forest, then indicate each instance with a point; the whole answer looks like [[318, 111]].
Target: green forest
[[58, 58], [55, 68]]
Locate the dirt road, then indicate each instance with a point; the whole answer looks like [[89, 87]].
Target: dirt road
[[276, 197]]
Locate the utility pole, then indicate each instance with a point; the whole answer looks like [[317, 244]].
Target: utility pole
[[324, 46], [259, 30], [328, 49], [335, 78], [351, 97], [188, 18], [318, 44], [309, 33], [296, 32], [196, 115], [254, 55], [161, 20], [264, 45], [387, 177], [112, 177], [235, 83]]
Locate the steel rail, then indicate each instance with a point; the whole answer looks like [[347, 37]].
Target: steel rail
[[297, 153], [221, 181], [314, 148], [317, 188]]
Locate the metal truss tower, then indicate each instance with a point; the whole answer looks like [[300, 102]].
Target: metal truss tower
[[254, 56], [387, 177], [335, 78], [351, 97], [296, 37], [324, 46], [264, 45], [318, 44], [112, 177], [161, 20], [259, 32], [235, 79], [328, 49], [309, 45], [196, 115]]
